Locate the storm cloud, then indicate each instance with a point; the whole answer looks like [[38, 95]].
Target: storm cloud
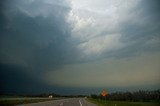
[[79, 44], [35, 36]]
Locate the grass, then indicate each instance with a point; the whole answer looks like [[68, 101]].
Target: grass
[[121, 103], [13, 102]]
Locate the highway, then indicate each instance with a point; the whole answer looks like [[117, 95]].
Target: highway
[[63, 102]]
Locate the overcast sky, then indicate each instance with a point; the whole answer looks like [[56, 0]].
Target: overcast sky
[[79, 46]]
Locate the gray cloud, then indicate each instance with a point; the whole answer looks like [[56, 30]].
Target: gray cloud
[[46, 39], [122, 26], [136, 71], [35, 36]]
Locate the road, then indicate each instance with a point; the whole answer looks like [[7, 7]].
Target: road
[[63, 102]]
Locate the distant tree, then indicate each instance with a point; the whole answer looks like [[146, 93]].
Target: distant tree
[[94, 96], [140, 95]]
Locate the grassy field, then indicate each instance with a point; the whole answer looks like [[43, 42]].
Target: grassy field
[[121, 103], [14, 101]]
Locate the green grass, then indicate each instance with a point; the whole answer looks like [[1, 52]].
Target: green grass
[[121, 103], [21, 101]]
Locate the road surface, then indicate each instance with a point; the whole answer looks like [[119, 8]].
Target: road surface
[[63, 102]]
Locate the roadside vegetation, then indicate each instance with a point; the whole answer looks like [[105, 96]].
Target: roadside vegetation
[[138, 98], [14, 101], [100, 102]]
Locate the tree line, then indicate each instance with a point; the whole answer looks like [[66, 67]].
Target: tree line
[[140, 95]]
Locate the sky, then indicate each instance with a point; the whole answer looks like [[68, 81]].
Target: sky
[[79, 46]]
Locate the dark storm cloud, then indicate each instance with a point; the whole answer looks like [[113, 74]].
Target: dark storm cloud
[[15, 79], [53, 38], [34, 37]]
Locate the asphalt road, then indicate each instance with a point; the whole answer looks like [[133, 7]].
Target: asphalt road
[[63, 102]]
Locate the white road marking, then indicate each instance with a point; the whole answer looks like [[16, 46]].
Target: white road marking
[[61, 104], [80, 103]]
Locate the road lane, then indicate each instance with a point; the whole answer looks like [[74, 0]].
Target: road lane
[[63, 102], [80, 103], [86, 103]]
